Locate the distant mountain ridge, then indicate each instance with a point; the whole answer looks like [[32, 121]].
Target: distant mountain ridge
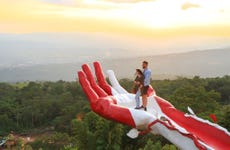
[[21, 50], [207, 63]]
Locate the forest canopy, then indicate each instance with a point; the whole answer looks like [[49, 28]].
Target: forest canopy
[[62, 110]]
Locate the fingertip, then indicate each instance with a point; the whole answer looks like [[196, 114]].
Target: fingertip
[[87, 87], [98, 70], [82, 78], [85, 67], [101, 78], [87, 72], [96, 63], [81, 74]]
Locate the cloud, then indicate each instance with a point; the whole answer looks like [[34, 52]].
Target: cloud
[[62, 2], [222, 11], [129, 1], [70, 2], [94, 4], [85, 4], [188, 5]]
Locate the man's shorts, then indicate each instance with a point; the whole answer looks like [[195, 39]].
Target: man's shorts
[[145, 90]]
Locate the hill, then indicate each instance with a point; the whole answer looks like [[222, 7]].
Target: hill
[[207, 63]]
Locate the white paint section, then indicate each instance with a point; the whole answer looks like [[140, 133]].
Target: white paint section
[[142, 118], [133, 133], [115, 84], [191, 111], [182, 142], [125, 100], [114, 92]]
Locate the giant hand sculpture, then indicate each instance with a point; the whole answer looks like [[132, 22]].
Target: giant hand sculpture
[[103, 103], [185, 131]]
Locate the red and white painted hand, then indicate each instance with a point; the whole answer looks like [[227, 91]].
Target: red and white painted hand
[[115, 103], [105, 104]]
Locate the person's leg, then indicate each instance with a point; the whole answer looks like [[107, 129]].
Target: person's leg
[[137, 98], [144, 97], [144, 100]]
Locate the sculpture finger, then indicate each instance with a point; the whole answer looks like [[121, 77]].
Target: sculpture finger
[[89, 91], [101, 78], [114, 82], [91, 79]]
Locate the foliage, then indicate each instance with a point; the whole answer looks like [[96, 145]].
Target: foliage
[[221, 85], [151, 146], [169, 147], [63, 107], [39, 104], [95, 132], [53, 141]]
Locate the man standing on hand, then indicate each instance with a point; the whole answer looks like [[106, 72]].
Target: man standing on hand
[[147, 75]]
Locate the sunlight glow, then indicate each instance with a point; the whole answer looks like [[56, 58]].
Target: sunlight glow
[[111, 16]]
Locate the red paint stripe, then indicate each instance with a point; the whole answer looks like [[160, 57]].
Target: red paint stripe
[[107, 108], [151, 91], [213, 117], [210, 135]]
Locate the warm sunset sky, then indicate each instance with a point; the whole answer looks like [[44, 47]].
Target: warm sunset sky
[[149, 18]]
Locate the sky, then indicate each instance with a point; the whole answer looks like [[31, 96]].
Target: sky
[[29, 28], [147, 18]]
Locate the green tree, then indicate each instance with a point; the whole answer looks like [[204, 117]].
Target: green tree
[[56, 141], [200, 100], [224, 120], [79, 134], [19, 144], [169, 147], [24, 107], [102, 130], [151, 146], [115, 136], [28, 147], [221, 85]]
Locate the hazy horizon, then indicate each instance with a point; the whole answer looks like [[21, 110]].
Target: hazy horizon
[[51, 48], [207, 63]]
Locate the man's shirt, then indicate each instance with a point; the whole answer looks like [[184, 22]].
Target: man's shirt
[[147, 74]]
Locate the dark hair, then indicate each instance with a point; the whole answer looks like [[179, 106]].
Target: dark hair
[[139, 71], [145, 62]]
